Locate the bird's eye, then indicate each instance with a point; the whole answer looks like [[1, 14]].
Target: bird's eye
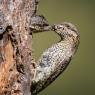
[[63, 28], [68, 26]]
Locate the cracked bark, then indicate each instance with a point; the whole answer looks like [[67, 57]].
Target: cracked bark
[[19, 75], [16, 69]]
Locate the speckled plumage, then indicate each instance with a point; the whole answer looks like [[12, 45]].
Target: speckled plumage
[[38, 23], [55, 59]]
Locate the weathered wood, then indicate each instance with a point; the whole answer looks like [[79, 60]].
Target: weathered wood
[[19, 75], [15, 69]]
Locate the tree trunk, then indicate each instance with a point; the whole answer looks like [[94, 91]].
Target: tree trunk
[[16, 63], [19, 75]]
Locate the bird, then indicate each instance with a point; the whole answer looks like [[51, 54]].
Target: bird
[[55, 59], [38, 23]]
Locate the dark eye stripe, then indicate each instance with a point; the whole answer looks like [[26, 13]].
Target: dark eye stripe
[[67, 26], [70, 28]]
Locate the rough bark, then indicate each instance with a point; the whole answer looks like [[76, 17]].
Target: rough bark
[[19, 75], [16, 61]]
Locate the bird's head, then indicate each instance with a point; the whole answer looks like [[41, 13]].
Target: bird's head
[[66, 29]]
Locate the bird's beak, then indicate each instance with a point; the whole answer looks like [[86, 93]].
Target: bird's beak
[[49, 28]]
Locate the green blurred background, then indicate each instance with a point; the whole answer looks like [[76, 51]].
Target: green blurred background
[[79, 77]]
